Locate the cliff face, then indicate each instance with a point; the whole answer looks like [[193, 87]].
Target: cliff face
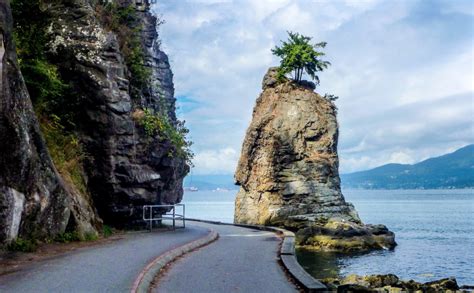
[[127, 168], [109, 80], [34, 201], [288, 169]]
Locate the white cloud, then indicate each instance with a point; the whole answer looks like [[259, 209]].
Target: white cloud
[[402, 69], [216, 161]]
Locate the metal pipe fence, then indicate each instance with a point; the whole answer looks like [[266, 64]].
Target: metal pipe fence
[[152, 213]]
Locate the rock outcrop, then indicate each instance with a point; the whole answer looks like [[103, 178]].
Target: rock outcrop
[[127, 168], [288, 171], [388, 283], [124, 166], [34, 201]]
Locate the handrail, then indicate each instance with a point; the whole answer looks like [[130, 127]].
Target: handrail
[[174, 216]]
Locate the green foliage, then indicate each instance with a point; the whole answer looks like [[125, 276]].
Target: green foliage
[[43, 82], [65, 150], [159, 124], [124, 22], [67, 237], [90, 237], [330, 97], [30, 22], [55, 104], [298, 55], [23, 245], [107, 231]]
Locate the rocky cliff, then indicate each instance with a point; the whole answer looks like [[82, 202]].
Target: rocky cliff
[[113, 103], [34, 201], [127, 168], [288, 171]]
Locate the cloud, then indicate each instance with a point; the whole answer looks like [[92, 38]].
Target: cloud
[[220, 161], [402, 69]]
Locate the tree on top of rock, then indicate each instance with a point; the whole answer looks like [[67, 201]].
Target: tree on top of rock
[[298, 55]]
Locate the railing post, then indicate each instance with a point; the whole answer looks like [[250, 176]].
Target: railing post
[[174, 213], [184, 216], [151, 217]]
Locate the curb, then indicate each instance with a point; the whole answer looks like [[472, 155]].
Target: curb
[[145, 278], [287, 256]]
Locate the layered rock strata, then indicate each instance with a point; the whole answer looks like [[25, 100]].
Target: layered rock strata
[[288, 171], [34, 201]]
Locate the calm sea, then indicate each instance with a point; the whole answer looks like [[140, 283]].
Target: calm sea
[[434, 230]]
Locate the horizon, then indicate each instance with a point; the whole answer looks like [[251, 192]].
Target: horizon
[[419, 59]]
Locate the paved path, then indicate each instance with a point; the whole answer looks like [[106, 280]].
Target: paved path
[[241, 260], [109, 268]]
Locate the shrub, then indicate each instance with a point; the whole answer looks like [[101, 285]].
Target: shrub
[[23, 245], [107, 231], [90, 237], [158, 124], [67, 237]]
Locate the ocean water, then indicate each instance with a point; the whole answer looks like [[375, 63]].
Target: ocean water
[[434, 231]]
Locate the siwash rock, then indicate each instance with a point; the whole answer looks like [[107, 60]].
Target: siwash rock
[[288, 171]]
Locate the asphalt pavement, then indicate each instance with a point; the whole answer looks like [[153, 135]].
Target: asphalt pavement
[[241, 260], [112, 267]]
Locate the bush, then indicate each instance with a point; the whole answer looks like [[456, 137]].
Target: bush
[[23, 245], [67, 237], [107, 231], [90, 237], [159, 124]]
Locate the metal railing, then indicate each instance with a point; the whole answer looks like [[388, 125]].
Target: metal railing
[[152, 213]]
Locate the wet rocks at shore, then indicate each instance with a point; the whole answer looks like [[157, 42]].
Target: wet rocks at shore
[[389, 283]]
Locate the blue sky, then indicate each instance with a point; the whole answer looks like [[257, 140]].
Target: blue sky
[[403, 71]]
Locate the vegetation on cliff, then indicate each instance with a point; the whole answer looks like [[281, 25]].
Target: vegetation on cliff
[[298, 55], [88, 66], [124, 22], [55, 106], [158, 123]]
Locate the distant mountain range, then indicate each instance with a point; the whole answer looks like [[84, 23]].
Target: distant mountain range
[[454, 170], [210, 182]]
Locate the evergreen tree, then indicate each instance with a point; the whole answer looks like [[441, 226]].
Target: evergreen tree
[[299, 55]]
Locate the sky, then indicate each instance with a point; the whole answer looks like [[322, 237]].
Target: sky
[[403, 71]]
